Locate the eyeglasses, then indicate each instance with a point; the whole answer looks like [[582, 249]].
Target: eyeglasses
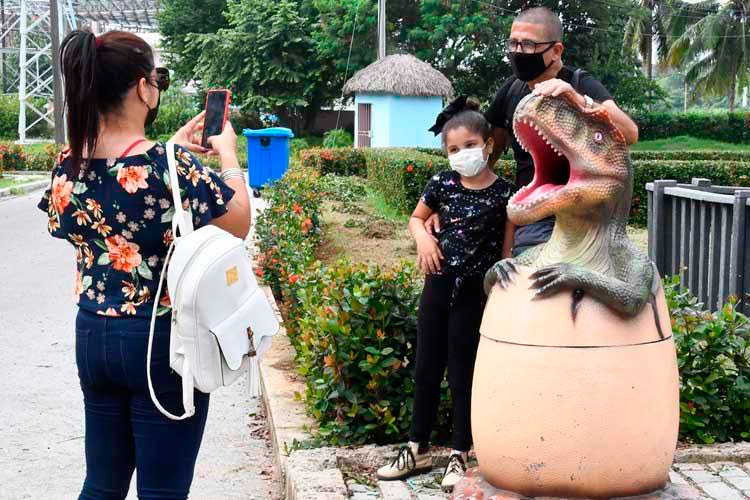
[[524, 46], [162, 79]]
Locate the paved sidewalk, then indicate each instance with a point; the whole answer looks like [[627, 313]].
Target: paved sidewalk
[[41, 414]]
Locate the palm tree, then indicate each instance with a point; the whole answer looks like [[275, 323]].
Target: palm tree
[[646, 25], [712, 42]]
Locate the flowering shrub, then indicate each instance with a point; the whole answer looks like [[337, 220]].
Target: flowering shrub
[[339, 161], [12, 157], [713, 356], [353, 327], [400, 175]]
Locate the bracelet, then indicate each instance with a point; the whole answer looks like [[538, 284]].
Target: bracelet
[[231, 173]]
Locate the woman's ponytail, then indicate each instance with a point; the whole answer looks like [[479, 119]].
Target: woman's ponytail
[[98, 73], [78, 62]]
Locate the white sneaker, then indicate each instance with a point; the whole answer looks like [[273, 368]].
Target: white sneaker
[[454, 471], [407, 463]]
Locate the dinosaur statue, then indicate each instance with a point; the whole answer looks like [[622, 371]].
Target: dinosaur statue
[[584, 178]]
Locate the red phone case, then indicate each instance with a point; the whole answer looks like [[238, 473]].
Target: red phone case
[[226, 110]]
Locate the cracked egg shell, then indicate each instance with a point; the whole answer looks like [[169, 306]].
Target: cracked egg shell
[[586, 408]]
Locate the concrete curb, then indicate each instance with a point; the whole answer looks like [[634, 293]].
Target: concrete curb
[[23, 188], [287, 421], [710, 453]]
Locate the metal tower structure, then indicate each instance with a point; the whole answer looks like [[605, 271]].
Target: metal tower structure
[[30, 36]]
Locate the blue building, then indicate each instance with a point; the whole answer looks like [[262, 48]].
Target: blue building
[[396, 100]]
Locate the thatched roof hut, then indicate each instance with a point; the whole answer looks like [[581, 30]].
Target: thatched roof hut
[[400, 74]]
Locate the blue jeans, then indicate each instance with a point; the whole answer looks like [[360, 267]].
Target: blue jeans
[[124, 430]]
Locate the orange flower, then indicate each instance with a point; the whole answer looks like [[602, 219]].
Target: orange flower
[[165, 301], [123, 254], [128, 308], [63, 154], [132, 178], [82, 217], [109, 312], [94, 206], [259, 273], [101, 227], [329, 361], [78, 285], [326, 155], [294, 278], [297, 208], [53, 224], [61, 189], [307, 224], [410, 168]]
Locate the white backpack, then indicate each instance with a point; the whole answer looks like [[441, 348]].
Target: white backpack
[[222, 322]]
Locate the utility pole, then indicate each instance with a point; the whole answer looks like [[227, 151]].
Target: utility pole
[[3, 69], [381, 29], [54, 22]]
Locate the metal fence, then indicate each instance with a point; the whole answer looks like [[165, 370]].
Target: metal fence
[[701, 232]]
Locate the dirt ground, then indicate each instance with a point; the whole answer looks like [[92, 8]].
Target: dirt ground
[[358, 232]]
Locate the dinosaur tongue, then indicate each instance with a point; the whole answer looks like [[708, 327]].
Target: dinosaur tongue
[[551, 167]]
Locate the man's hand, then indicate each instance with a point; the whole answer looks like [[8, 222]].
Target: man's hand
[[188, 136], [556, 87], [432, 225]]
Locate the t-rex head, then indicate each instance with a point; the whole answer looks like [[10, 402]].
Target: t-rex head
[[581, 159]]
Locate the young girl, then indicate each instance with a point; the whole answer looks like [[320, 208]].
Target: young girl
[[474, 233]]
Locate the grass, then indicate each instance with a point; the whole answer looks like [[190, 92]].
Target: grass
[[687, 143], [382, 209], [8, 181]]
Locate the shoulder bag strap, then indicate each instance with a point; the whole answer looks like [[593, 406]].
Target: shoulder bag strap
[[181, 219]]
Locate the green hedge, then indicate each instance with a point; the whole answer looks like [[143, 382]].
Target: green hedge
[[726, 127], [690, 155], [726, 173], [400, 175], [9, 108], [339, 161]]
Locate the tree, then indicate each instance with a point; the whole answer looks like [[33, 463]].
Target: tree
[[266, 57], [712, 43], [645, 25], [178, 20]]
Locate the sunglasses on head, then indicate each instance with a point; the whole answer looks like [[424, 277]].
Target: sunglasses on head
[[162, 79]]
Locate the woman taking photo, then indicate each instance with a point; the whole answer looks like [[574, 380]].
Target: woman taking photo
[[110, 198]]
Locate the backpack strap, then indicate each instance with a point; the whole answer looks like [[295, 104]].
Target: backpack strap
[[187, 376], [576, 80], [182, 219], [516, 87]]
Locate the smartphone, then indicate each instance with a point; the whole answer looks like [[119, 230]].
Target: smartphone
[[217, 109]]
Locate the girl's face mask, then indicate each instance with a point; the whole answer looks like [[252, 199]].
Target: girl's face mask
[[468, 162]]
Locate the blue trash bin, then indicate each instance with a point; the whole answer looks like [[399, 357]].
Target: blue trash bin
[[267, 155]]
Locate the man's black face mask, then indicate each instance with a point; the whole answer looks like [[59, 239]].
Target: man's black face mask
[[527, 67]]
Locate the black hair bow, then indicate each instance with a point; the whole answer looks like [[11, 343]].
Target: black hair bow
[[456, 106]]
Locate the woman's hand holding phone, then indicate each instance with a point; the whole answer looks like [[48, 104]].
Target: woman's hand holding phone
[[225, 145], [189, 135]]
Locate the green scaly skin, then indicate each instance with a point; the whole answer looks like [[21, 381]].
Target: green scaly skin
[[589, 252]]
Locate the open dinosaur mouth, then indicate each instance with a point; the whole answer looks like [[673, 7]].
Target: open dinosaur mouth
[[552, 170]]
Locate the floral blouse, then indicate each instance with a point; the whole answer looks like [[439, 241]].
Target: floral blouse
[[118, 216]]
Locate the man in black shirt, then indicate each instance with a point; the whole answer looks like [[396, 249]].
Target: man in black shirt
[[535, 51]]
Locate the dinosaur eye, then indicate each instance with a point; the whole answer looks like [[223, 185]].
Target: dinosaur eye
[[598, 137]]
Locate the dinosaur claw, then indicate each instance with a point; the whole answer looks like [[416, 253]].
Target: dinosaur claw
[[502, 273]]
